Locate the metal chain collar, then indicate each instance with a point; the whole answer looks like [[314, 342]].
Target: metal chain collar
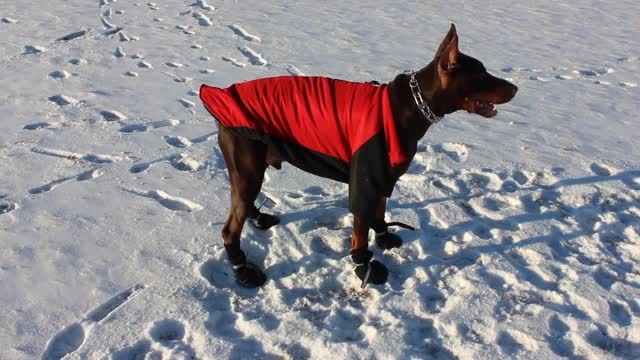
[[417, 96]]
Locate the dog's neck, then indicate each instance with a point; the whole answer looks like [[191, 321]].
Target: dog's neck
[[410, 122]]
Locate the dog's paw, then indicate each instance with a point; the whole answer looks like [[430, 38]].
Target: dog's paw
[[249, 276], [373, 272], [264, 221], [388, 241]]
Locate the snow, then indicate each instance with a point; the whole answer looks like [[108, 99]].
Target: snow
[[113, 191]]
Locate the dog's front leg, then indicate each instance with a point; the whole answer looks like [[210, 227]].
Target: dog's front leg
[[384, 239], [368, 270]]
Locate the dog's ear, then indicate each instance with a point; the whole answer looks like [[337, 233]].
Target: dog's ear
[[448, 58], [447, 39]]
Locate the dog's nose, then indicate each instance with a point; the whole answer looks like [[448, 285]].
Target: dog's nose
[[514, 90]]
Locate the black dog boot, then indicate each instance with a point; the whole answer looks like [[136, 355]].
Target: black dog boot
[[367, 270], [247, 275], [386, 240], [264, 221]]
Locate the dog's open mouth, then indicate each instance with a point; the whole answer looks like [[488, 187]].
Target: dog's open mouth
[[482, 108]]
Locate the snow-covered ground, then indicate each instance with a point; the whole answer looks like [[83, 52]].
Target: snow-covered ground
[[113, 191]]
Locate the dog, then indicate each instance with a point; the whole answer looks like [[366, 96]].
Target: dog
[[363, 134]]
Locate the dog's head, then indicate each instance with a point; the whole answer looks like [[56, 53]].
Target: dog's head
[[464, 83]]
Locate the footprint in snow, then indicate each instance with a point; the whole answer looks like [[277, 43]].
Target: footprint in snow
[[627, 84], [605, 278], [447, 186], [496, 202], [203, 5], [203, 20], [171, 342], [508, 344], [620, 348], [176, 160], [178, 141], [601, 170], [253, 56], [119, 53], [233, 61], [112, 115], [34, 49], [139, 350], [153, 125], [216, 273], [62, 100], [94, 158], [124, 37], [619, 313], [594, 72], [144, 65], [7, 206], [523, 177], [558, 341], [170, 202], [78, 62], [346, 326], [292, 70], [185, 163], [69, 339], [186, 103], [477, 183], [239, 31], [174, 65], [41, 125], [456, 152], [632, 182], [65, 342], [59, 74], [73, 35], [84, 176], [168, 330], [562, 77]]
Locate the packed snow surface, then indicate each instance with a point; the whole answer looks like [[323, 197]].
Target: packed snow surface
[[113, 190]]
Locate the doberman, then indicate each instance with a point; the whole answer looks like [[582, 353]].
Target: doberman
[[365, 134]]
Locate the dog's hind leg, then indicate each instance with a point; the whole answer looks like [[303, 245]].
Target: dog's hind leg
[[245, 159]]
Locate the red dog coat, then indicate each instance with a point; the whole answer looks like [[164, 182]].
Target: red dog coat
[[332, 128]]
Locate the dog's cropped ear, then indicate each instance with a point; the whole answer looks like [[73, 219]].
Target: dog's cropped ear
[[448, 58], [447, 39]]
